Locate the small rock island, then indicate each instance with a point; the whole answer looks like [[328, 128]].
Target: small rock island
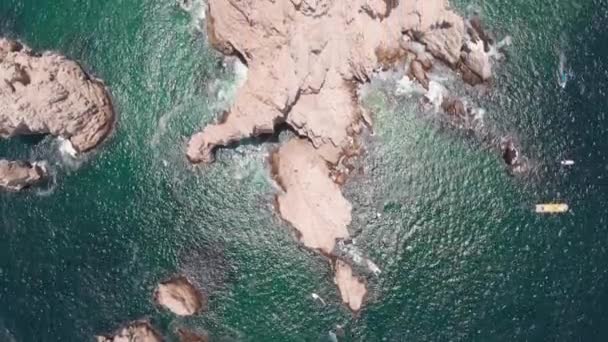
[[179, 296], [48, 94]]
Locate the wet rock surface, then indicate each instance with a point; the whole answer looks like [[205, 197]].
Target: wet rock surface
[[18, 175], [138, 331]]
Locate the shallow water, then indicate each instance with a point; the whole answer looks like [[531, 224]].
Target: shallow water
[[463, 257]]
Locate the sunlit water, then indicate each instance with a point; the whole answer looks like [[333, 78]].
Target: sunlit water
[[461, 254]]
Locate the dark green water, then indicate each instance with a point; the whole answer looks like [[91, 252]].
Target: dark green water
[[463, 256]]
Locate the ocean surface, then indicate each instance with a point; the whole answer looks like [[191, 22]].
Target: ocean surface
[[463, 256]]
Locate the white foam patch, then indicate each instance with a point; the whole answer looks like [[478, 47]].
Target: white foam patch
[[66, 148], [198, 12], [436, 94], [51, 180], [358, 259], [406, 86], [68, 155]]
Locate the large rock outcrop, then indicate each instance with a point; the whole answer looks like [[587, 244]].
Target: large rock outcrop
[[305, 59], [179, 296], [17, 175], [138, 331], [50, 94]]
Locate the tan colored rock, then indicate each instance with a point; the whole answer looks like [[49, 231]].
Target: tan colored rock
[[138, 331], [50, 94], [17, 175], [352, 289], [310, 201], [305, 58], [301, 55], [179, 296], [478, 60], [417, 71]]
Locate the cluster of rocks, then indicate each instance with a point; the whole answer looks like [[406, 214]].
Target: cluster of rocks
[[48, 94], [140, 331], [305, 60], [177, 295]]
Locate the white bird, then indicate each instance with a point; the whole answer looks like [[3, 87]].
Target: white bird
[[567, 162]]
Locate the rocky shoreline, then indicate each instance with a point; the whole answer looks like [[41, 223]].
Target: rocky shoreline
[[306, 60], [49, 94]]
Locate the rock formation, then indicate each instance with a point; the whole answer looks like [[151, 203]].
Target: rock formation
[[305, 58], [179, 296], [352, 289], [17, 175], [138, 331], [49, 94], [310, 200]]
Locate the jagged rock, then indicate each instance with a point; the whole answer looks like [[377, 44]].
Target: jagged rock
[[454, 107], [138, 331], [468, 75], [478, 60], [510, 154], [17, 175], [441, 30], [50, 94], [417, 72], [179, 296]]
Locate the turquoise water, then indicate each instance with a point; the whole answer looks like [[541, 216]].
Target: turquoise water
[[463, 256]]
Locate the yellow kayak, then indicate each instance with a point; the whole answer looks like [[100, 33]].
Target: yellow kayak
[[554, 208]]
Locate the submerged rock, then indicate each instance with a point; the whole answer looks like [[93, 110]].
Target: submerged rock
[[50, 94], [138, 331], [189, 336], [454, 107], [179, 296], [17, 175], [510, 154]]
